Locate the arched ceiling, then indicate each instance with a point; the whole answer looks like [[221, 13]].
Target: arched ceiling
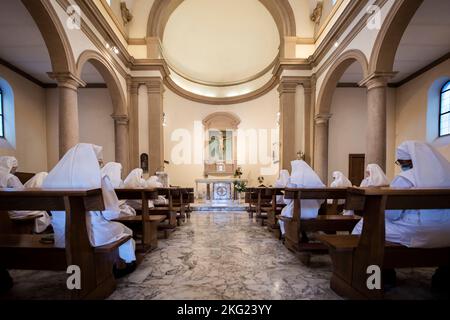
[[220, 42]]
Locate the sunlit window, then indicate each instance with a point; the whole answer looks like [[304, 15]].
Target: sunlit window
[[444, 114], [2, 120]]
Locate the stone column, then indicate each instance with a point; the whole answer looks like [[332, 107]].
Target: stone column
[[376, 112], [68, 85], [321, 146], [122, 142], [155, 125], [133, 88], [309, 111], [287, 90]]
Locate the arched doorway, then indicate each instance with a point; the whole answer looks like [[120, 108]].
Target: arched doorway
[[355, 61], [115, 115]]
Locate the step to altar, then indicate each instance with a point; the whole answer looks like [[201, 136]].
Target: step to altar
[[219, 206]]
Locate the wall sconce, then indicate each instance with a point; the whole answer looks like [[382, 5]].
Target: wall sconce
[[113, 49], [164, 120]]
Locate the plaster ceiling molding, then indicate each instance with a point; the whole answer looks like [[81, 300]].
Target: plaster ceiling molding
[[211, 57], [126, 14], [201, 45]]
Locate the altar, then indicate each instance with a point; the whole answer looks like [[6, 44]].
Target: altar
[[219, 189]]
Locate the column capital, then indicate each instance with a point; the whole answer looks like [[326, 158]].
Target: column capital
[[377, 80], [67, 80], [121, 119], [155, 86], [287, 85], [323, 118], [133, 86]]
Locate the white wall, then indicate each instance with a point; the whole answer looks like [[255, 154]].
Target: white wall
[[348, 128], [412, 107], [96, 124], [259, 114], [29, 144]]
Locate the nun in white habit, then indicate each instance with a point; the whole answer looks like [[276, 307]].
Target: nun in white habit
[[135, 180], [113, 171], [79, 168], [303, 176], [422, 167], [341, 181], [8, 166], [375, 177], [282, 182]]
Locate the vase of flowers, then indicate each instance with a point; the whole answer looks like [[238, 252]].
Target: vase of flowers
[[239, 187]]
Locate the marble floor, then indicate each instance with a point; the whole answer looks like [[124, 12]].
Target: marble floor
[[221, 255]]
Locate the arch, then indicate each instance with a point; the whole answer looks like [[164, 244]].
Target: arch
[[55, 38], [391, 33], [222, 120], [335, 73], [109, 75], [280, 10]]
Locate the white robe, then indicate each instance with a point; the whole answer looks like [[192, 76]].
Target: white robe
[[375, 178], [7, 180], [282, 182], [79, 168], [303, 176], [153, 182], [341, 181], [113, 171], [135, 180], [419, 228]]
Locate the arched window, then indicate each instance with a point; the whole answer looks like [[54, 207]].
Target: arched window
[[444, 111], [2, 120]]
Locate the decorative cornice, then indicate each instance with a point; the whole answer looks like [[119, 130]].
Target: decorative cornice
[[120, 119], [377, 80], [322, 118], [67, 80], [155, 86], [221, 100], [290, 64]]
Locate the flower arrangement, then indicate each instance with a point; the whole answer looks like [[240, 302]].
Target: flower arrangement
[[240, 186]]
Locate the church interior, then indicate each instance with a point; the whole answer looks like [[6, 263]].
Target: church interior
[[224, 149]]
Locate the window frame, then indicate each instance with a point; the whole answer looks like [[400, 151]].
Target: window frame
[[2, 115], [441, 93]]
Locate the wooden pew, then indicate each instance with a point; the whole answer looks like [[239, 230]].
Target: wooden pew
[[28, 253], [251, 198], [296, 228], [145, 225], [181, 200], [24, 176], [275, 210], [263, 204], [19, 225], [352, 254], [175, 208]]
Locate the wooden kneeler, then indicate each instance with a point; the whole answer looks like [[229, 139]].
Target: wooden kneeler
[[18, 251], [144, 225], [296, 228], [353, 254]]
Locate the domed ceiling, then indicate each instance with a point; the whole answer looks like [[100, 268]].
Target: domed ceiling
[[212, 45]]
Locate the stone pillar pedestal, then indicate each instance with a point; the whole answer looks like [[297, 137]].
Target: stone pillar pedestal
[[122, 142], [321, 146], [376, 112], [133, 88], [155, 125], [287, 90], [68, 85]]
